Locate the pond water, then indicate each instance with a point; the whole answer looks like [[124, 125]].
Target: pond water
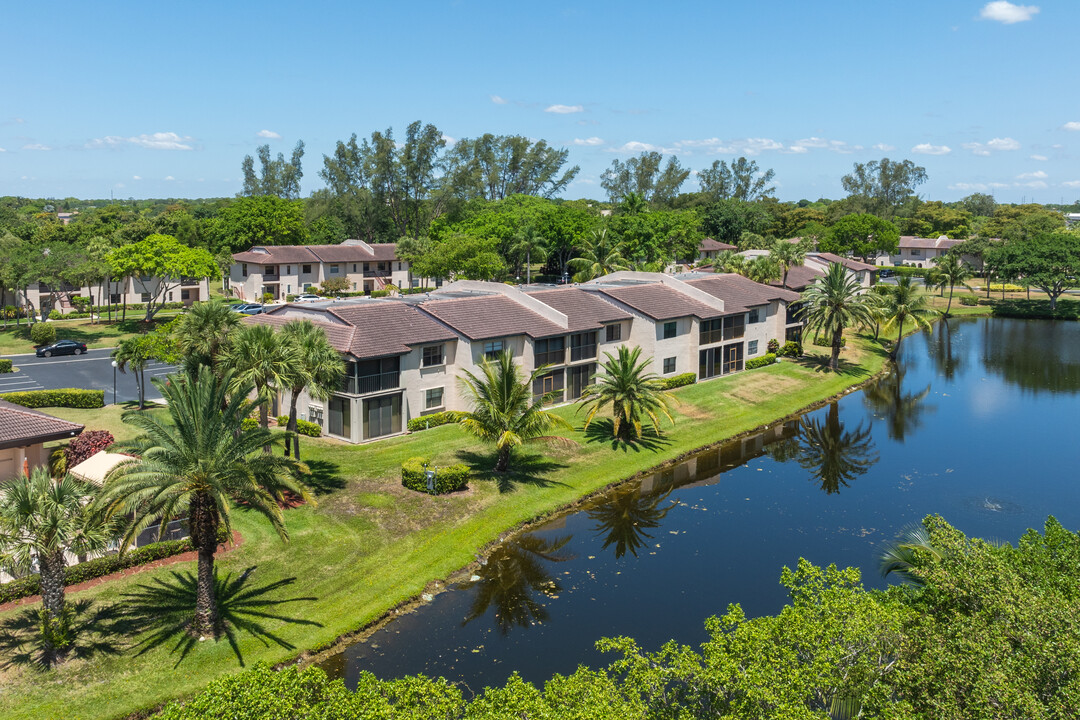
[[977, 423]]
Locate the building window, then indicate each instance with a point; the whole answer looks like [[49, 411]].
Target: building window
[[755, 315], [751, 347], [580, 377], [550, 385], [551, 351], [711, 331], [145, 297], [734, 327], [433, 356], [114, 298], [333, 269], [671, 329], [270, 270], [492, 349], [305, 268], [582, 346], [288, 269], [243, 269], [170, 296], [185, 295], [354, 267], [433, 398], [669, 365], [613, 333]]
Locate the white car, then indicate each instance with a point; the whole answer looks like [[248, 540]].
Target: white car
[[308, 297]]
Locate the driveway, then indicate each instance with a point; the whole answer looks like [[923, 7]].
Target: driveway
[[93, 371]]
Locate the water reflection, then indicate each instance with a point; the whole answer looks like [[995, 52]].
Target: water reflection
[[1040, 357], [625, 517], [902, 413], [948, 363], [513, 578], [833, 454]]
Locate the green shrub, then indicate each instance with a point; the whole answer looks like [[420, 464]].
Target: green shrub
[[5, 365], [55, 314], [268, 298], [450, 478], [772, 346], [380, 293], [910, 270], [678, 381], [42, 333], [290, 298], [81, 303], [64, 397], [429, 421], [767, 359], [790, 349], [969, 300], [303, 427], [826, 341], [249, 424], [1038, 309]]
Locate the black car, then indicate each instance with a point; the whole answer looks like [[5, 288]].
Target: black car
[[62, 347]]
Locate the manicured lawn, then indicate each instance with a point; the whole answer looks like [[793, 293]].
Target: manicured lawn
[[100, 334], [370, 544]]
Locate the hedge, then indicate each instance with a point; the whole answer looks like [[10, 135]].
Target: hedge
[[450, 478], [303, 427], [908, 270], [102, 566], [5, 365], [429, 421], [1067, 309], [790, 349], [64, 397], [767, 359], [134, 306], [380, 293], [969, 300], [826, 341], [678, 381]]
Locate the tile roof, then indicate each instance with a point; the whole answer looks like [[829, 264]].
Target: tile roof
[[276, 254], [659, 301], [21, 426], [709, 245], [799, 278], [739, 293], [346, 252], [584, 310], [846, 262], [491, 316], [938, 243]]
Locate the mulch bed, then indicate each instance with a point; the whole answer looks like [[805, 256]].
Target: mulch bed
[[237, 541]]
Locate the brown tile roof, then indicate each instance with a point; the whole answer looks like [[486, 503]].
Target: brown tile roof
[[740, 294], [276, 254], [660, 302], [584, 310], [799, 278], [939, 243], [846, 262], [491, 316], [709, 245], [21, 426], [384, 251]]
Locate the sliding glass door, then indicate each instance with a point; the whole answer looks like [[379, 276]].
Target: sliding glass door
[[382, 416]]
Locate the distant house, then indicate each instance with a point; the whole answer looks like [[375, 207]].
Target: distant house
[[709, 249], [23, 434], [125, 291], [918, 252], [1071, 219], [283, 270]]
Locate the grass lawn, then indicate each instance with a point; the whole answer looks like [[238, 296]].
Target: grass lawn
[[370, 544], [97, 335]]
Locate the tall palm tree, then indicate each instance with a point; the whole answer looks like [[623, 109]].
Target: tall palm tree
[[906, 301], [600, 254], [788, 255], [833, 302], [42, 519], [197, 464], [260, 359], [204, 331], [633, 393], [319, 371], [949, 272], [135, 353], [504, 410], [529, 243], [633, 204], [730, 261], [764, 269]]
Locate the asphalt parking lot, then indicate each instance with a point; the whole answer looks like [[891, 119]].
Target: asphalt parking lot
[[93, 370]]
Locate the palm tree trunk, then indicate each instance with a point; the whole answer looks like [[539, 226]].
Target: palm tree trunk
[[949, 306], [837, 340], [264, 415], [203, 523], [503, 463], [528, 266], [52, 601], [290, 429], [899, 337]]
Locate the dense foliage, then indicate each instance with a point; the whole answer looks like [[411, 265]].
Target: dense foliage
[[86, 445], [65, 397], [448, 478]]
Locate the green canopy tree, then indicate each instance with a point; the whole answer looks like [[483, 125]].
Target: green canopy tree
[[743, 180], [644, 176], [1048, 261], [494, 167], [279, 178], [861, 235], [259, 220], [163, 259]]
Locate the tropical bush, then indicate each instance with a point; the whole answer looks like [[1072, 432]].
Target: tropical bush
[[450, 478], [42, 333], [65, 397], [248, 423], [55, 314], [969, 300], [826, 341], [81, 303], [304, 427], [678, 381], [5, 365], [1006, 287], [268, 297], [424, 422], [773, 346], [767, 359], [380, 293], [290, 298], [90, 443], [790, 349]]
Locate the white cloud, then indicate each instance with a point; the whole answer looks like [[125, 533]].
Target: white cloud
[[3, 150], [986, 148], [813, 142], [636, 147], [1071, 183], [1005, 12], [153, 141], [1037, 175], [136, 177], [1036, 184], [169, 177], [498, 100], [1073, 126], [796, 150], [977, 187], [928, 149], [449, 140], [592, 142], [269, 134], [36, 146], [564, 109], [884, 147], [1041, 158], [120, 185]]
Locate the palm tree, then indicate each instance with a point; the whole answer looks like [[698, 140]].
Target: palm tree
[[203, 332], [730, 261], [600, 254], [198, 464], [788, 255], [504, 410], [632, 392], [906, 301], [902, 556], [260, 359], [529, 242], [763, 269], [135, 352], [949, 272], [42, 519], [633, 204], [319, 371], [832, 303]]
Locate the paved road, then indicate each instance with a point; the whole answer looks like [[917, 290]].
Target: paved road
[[93, 371]]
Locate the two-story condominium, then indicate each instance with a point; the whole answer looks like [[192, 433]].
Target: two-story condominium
[[405, 356], [283, 270], [918, 252], [123, 291]]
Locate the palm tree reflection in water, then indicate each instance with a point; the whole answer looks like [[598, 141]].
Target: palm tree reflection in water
[[902, 412], [833, 454], [625, 517], [514, 575]]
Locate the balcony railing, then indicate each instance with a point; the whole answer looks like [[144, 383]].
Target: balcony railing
[[271, 277], [376, 273], [370, 383], [552, 357]]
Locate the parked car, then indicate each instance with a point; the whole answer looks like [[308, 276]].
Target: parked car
[[886, 273], [248, 308], [308, 297], [62, 347]]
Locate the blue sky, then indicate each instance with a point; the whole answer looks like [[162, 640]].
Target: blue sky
[[164, 100]]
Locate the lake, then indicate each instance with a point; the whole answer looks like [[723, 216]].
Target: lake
[[977, 422]]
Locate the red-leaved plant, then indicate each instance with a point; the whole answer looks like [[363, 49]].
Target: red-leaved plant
[[86, 445]]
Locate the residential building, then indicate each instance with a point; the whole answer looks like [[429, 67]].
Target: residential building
[[125, 291], [283, 270], [23, 434], [865, 273], [918, 252], [709, 249]]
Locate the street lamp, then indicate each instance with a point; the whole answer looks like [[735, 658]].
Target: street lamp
[[114, 366]]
